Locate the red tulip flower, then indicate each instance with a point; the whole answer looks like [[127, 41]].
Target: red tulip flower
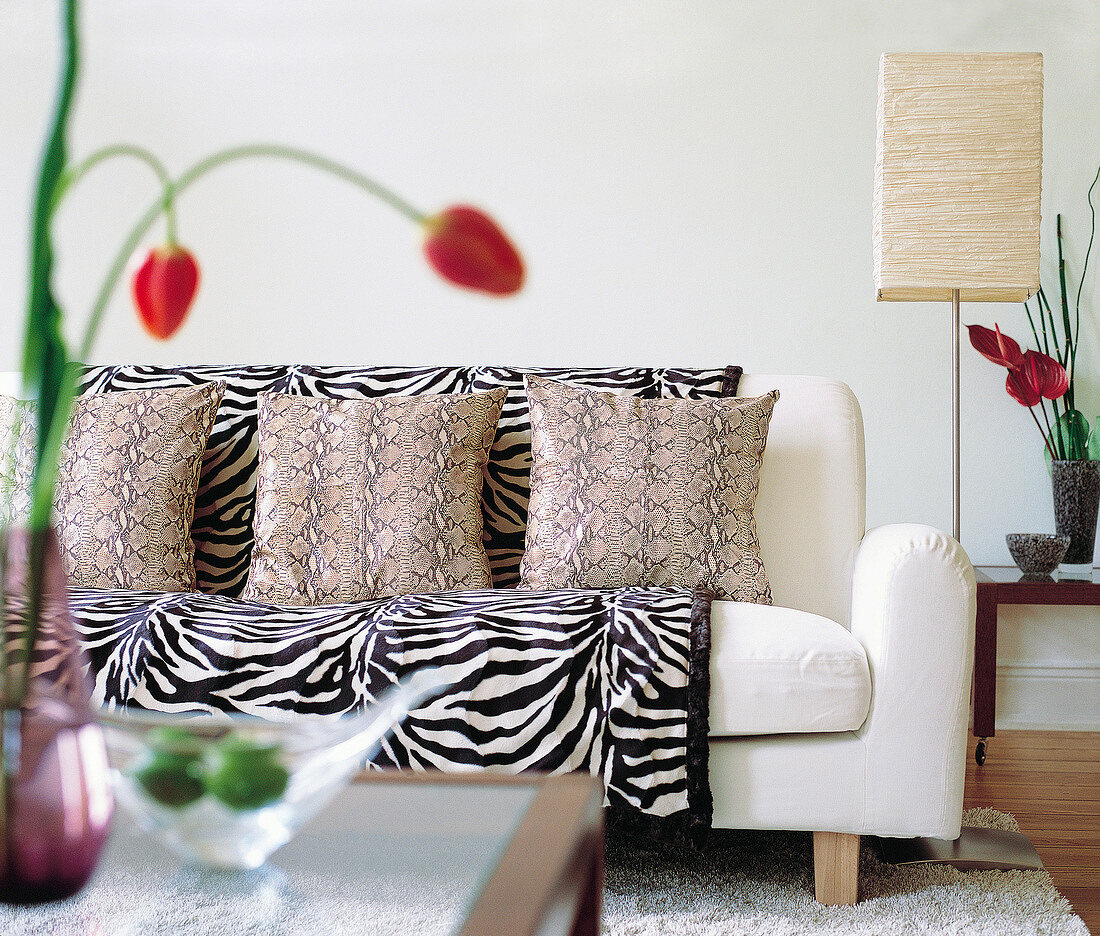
[[467, 247], [164, 288]]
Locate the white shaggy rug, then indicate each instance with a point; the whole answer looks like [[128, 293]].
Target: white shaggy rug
[[762, 883], [745, 882]]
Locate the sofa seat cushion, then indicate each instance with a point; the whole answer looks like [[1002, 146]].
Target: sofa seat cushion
[[778, 671]]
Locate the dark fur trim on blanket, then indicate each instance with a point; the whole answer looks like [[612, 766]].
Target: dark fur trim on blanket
[[700, 801], [731, 378], [692, 828]]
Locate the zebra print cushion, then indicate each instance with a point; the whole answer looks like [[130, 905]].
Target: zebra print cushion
[[611, 682], [222, 528], [353, 383]]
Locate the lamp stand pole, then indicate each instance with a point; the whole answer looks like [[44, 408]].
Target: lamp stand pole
[[955, 328], [975, 849]]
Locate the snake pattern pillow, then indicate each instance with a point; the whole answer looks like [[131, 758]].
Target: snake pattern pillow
[[507, 477], [16, 439], [222, 525], [128, 472], [644, 492], [370, 498]]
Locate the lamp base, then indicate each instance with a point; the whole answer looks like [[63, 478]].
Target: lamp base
[[974, 850]]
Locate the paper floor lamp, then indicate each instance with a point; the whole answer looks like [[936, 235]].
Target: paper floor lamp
[[958, 172]]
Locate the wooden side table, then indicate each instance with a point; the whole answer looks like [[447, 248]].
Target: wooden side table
[[998, 585]]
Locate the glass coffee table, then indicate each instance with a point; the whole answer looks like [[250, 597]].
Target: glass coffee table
[[395, 853]]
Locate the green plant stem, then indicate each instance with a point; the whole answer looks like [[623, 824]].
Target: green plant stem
[[1043, 408], [1064, 434], [1031, 322], [1046, 438], [1042, 297], [45, 354], [1057, 434], [1084, 442], [46, 367], [1081, 286], [1049, 434], [1061, 426], [196, 172], [278, 151], [1053, 331], [1088, 250], [74, 174], [1071, 343], [45, 357]]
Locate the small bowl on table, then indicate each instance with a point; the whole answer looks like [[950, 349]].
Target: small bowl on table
[[225, 791], [1037, 554]]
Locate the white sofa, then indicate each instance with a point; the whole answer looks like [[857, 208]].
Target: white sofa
[[843, 709]]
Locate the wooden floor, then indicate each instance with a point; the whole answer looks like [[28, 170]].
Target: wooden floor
[[1050, 781]]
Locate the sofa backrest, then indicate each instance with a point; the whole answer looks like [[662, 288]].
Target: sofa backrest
[[810, 511]]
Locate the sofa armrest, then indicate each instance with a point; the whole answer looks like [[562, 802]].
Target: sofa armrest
[[913, 607]]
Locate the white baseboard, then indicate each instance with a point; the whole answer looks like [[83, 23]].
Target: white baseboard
[[1059, 698]]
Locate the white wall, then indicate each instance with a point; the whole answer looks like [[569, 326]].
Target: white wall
[[690, 183]]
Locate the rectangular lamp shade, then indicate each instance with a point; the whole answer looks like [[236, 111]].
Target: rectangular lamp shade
[[958, 176]]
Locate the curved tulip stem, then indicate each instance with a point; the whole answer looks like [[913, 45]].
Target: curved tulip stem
[[196, 172], [74, 174], [278, 151], [113, 274]]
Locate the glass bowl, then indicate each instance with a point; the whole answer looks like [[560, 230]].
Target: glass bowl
[[225, 791], [1037, 554]]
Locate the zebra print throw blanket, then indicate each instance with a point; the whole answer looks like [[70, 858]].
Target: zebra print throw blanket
[[611, 682]]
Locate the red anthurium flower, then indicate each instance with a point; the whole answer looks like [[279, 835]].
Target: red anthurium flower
[[1021, 389], [164, 287], [467, 247], [1045, 374], [993, 346]]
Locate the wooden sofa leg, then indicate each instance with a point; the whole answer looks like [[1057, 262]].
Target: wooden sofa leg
[[836, 867]]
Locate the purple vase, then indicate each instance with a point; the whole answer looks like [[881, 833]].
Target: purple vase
[[56, 789]]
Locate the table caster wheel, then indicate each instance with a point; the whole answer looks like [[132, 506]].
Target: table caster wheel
[[979, 753]]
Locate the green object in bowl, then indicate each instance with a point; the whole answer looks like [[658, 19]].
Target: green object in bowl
[[244, 775], [171, 772]]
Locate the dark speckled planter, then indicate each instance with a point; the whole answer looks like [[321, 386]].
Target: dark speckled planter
[[1076, 498]]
